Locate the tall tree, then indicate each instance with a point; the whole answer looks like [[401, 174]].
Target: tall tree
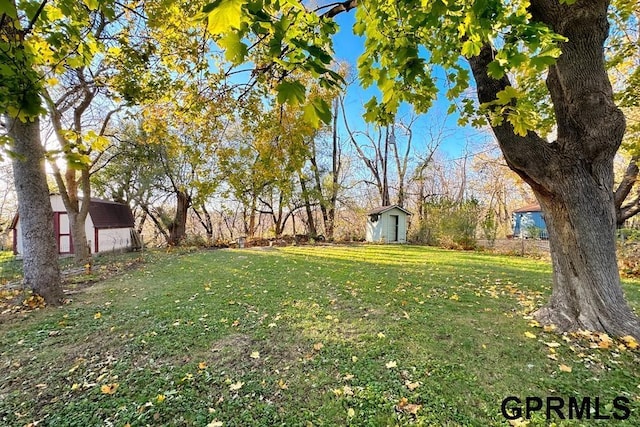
[[36, 36], [507, 46]]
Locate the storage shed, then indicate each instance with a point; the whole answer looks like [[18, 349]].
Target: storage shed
[[528, 222], [387, 224], [109, 227]]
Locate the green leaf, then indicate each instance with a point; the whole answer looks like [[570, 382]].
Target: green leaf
[[234, 50], [91, 4], [495, 70], [224, 15], [505, 96], [322, 109], [8, 8], [317, 111], [292, 93], [471, 48]]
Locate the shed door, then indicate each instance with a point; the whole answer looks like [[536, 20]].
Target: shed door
[[395, 225], [63, 233]]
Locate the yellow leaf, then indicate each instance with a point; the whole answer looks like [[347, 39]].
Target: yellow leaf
[[391, 364], [552, 356], [552, 344], [630, 342], [160, 398], [549, 328], [454, 297], [348, 391], [348, 377], [565, 368], [529, 335], [351, 413], [98, 315], [109, 388], [381, 335], [412, 386], [75, 386], [318, 346], [283, 385], [226, 14], [215, 423], [202, 366], [354, 359], [255, 355], [236, 386]]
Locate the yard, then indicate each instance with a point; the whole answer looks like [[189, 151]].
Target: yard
[[310, 336]]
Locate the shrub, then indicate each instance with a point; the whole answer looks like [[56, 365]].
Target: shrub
[[449, 224]]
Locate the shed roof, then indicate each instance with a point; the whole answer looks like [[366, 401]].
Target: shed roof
[[104, 214], [534, 207], [383, 209], [107, 214]]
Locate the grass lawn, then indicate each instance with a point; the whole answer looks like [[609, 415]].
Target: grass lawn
[[302, 336]]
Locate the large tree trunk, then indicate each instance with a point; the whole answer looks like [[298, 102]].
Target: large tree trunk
[[178, 227], [573, 176], [586, 292], [40, 254]]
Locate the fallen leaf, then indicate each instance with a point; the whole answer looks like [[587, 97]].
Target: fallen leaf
[[109, 388], [202, 366], [98, 315], [520, 422], [236, 386], [318, 346], [630, 342], [351, 413], [255, 355], [391, 364], [553, 344], [215, 423], [381, 335], [549, 328], [354, 359], [348, 377], [552, 356], [283, 385], [412, 386], [75, 386], [565, 368], [160, 398], [454, 297], [529, 335]]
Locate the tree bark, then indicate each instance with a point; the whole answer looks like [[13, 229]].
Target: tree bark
[[572, 177], [311, 223], [40, 253], [178, 227]]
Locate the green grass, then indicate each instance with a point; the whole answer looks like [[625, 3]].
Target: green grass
[[304, 336]]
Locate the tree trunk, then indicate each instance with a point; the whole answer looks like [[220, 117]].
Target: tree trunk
[[40, 254], [311, 223], [178, 227], [586, 291], [572, 177]]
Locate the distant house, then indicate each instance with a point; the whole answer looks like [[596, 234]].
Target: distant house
[[109, 227], [528, 222], [387, 224]]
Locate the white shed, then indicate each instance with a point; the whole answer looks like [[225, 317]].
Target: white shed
[[387, 224], [109, 227]]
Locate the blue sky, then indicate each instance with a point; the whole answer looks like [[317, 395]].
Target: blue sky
[[348, 47]]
